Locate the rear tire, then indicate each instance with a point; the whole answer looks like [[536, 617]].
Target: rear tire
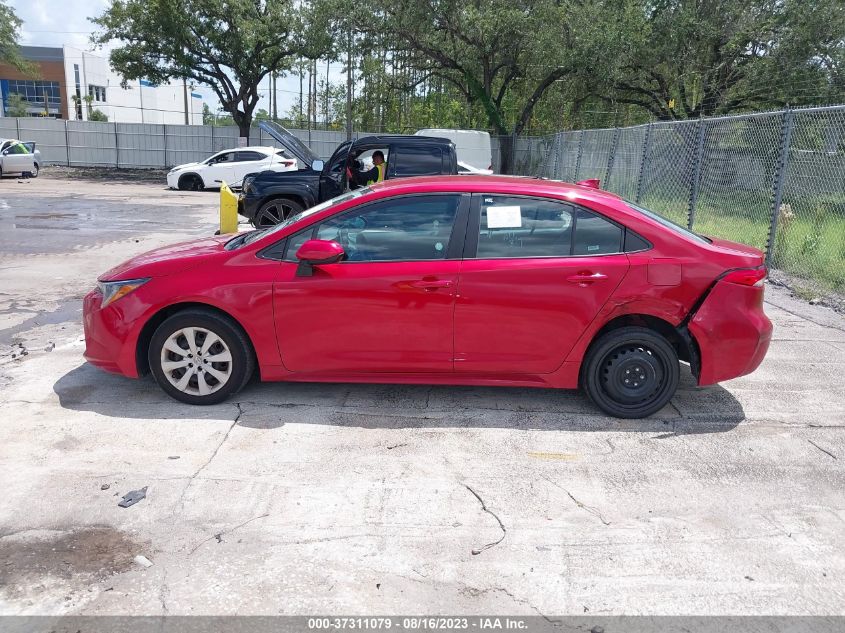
[[200, 357], [34, 172], [275, 211], [631, 372]]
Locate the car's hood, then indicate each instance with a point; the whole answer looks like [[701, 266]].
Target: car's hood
[[168, 260], [289, 141], [187, 166]]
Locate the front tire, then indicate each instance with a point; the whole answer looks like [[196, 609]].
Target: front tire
[[191, 182], [275, 211], [35, 170], [631, 372], [200, 357]]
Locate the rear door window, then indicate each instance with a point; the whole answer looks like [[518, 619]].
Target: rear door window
[[515, 227], [244, 157]]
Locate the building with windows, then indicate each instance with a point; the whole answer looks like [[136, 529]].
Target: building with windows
[[72, 84]]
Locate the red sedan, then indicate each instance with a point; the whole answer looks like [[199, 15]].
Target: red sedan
[[458, 280]]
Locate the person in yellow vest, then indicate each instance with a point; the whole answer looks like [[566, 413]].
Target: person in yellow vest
[[376, 174]]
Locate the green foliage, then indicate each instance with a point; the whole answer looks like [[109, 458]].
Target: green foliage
[[710, 57], [229, 45], [10, 24], [17, 106], [97, 115]]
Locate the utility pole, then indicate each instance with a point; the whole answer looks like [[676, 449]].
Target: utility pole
[[349, 85], [275, 98], [326, 109], [185, 90]]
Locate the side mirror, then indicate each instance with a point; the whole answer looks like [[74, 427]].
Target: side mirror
[[318, 165], [317, 252]]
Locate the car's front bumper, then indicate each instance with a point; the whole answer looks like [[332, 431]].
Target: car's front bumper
[[248, 206], [110, 339], [173, 179]]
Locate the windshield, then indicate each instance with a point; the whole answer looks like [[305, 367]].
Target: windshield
[[668, 223], [249, 238]]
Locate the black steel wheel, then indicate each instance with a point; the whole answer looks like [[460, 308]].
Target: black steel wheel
[[275, 211], [631, 372]]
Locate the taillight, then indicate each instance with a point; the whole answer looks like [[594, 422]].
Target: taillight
[[747, 276]]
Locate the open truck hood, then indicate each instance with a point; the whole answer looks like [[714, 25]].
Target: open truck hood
[[290, 142]]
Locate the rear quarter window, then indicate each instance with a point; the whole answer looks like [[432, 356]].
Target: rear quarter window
[[418, 161], [595, 235]]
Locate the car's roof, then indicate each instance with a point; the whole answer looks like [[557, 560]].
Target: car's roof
[[483, 183], [388, 139], [265, 148]]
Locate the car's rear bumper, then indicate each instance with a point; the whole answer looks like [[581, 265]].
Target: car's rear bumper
[[732, 332], [109, 340]]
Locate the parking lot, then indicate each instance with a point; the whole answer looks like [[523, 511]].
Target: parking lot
[[362, 499]]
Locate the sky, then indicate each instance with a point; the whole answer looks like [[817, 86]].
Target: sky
[[58, 22]]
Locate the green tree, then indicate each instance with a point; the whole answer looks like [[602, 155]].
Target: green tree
[[10, 53], [710, 57], [97, 115], [502, 55], [207, 115], [229, 45], [17, 106]]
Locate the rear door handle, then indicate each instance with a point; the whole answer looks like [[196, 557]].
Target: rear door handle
[[431, 284], [586, 278]]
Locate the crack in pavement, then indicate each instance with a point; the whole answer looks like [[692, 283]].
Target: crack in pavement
[[163, 592], [826, 452], [219, 535], [213, 455], [592, 510], [484, 507]]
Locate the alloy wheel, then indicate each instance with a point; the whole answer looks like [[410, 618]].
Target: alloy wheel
[[272, 214]]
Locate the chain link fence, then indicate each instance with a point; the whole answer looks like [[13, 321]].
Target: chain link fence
[[774, 180]]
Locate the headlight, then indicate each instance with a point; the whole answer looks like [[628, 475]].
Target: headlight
[[114, 290], [246, 183]]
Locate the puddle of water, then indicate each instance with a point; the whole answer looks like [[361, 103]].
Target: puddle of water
[[68, 311], [91, 551]]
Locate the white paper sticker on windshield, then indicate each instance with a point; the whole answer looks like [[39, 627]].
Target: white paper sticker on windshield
[[504, 217]]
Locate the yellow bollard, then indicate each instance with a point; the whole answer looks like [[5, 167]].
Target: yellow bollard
[[228, 210]]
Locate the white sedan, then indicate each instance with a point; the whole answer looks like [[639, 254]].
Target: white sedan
[[229, 166]]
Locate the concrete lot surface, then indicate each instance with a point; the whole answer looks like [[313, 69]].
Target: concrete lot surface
[[357, 499]]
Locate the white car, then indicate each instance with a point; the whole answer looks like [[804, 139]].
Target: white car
[[229, 166], [466, 168], [16, 158], [473, 147]]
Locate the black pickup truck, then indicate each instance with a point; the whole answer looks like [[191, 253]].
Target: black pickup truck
[[269, 197]]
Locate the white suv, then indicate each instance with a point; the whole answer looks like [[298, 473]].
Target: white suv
[[16, 158], [229, 166]]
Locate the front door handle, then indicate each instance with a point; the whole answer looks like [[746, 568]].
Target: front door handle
[[586, 278], [431, 284]]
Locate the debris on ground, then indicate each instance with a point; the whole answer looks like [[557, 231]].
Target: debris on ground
[[132, 497], [143, 561], [104, 487]]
